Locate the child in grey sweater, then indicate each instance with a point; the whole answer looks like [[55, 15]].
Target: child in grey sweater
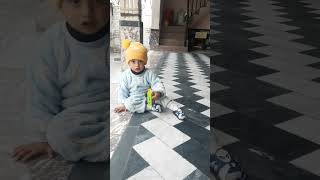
[[67, 86]]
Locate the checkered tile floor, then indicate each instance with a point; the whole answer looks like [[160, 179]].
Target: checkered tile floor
[[266, 76], [160, 145]]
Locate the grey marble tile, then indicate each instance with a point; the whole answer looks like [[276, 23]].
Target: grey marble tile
[[121, 156]]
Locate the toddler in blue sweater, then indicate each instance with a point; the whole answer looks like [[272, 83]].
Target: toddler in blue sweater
[[136, 81]]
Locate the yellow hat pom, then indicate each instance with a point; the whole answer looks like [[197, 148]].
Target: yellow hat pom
[[126, 43]]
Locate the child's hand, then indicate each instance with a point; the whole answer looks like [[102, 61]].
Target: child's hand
[[26, 152], [156, 96], [120, 109]]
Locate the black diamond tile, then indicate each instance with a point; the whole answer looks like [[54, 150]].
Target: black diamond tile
[[196, 117], [135, 164], [139, 118], [143, 134], [184, 83], [195, 132], [195, 154], [261, 168], [89, 170], [192, 104], [315, 65], [274, 140], [316, 80], [188, 93]]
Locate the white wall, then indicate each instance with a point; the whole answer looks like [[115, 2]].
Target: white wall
[[156, 14], [147, 20]]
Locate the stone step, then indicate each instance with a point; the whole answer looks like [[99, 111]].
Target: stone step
[[172, 42], [172, 35], [176, 29], [171, 48]]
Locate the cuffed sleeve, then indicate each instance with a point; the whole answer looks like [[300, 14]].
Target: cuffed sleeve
[[43, 94]]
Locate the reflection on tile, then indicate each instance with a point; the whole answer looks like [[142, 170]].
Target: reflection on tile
[[146, 174]]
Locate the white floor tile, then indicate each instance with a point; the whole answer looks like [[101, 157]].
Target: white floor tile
[[166, 133], [203, 94], [169, 82], [201, 81], [205, 102], [168, 163], [206, 112], [202, 87]]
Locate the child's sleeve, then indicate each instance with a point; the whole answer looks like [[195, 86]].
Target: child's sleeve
[[123, 92], [42, 93], [156, 84]]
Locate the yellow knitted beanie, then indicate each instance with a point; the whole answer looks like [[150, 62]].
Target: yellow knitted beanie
[[135, 50]]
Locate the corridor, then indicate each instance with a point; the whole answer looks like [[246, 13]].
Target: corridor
[[158, 145]]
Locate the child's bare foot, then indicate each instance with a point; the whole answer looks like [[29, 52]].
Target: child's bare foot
[[120, 109], [27, 152]]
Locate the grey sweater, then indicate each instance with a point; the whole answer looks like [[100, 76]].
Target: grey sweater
[[67, 95]]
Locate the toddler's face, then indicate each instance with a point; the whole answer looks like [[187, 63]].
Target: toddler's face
[[86, 16], [136, 65]]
